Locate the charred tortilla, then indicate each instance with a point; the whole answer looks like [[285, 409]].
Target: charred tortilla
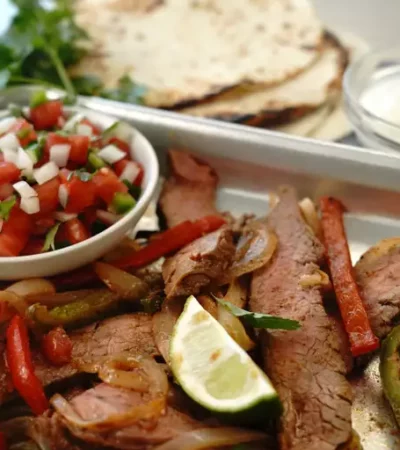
[[285, 102], [185, 51]]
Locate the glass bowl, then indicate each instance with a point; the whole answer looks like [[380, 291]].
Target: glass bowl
[[372, 98]]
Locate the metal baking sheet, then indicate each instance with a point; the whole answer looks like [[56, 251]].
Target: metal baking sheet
[[251, 164]]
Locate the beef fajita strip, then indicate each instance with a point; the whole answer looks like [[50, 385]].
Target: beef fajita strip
[[189, 192], [127, 333], [305, 366]]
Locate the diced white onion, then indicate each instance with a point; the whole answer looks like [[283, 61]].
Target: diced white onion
[[30, 205], [24, 161], [59, 154], [84, 130], [6, 124], [111, 154], [72, 122], [9, 142], [123, 131], [63, 195], [9, 155], [46, 173], [107, 217], [130, 172], [64, 217], [1, 224], [24, 190]]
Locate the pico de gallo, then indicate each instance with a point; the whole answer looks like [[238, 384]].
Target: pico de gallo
[[62, 178]]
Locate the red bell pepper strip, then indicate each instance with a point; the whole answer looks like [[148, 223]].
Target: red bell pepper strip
[[355, 319], [167, 242], [3, 442], [20, 364], [170, 241]]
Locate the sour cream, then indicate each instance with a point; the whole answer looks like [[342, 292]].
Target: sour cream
[[381, 98]]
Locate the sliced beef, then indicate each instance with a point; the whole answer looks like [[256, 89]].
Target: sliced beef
[[305, 366], [189, 192], [199, 264], [378, 276], [104, 401], [127, 333]]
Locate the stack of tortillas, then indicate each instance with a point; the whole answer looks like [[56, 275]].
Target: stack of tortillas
[[266, 63]]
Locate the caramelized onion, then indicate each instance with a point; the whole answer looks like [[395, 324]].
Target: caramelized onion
[[149, 411], [209, 305], [163, 324], [10, 303], [121, 282], [125, 248], [318, 278], [255, 248], [33, 287], [310, 215], [234, 328], [382, 248], [237, 293], [207, 438], [156, 383]]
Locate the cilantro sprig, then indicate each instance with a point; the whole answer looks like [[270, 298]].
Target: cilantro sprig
[[43, 42]]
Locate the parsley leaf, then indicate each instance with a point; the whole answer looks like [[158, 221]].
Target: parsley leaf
[[87, 84], [258, 320], [82, 174], [6, 206], [126, 91], [49, 243]]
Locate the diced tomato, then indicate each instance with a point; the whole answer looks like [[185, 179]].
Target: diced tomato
[[79, 146], [107, 184], [46, 115], [81, 194], [57, 347], [33, 247], [122, 145], [120, 166], [9, 172], [43, 223], [79, 149], [6, 190], [48, 196], [95, 130], [24, 131], [75, 231], [89, 217], [15, 232]]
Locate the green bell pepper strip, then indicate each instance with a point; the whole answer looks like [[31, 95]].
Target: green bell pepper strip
[[390, 370]]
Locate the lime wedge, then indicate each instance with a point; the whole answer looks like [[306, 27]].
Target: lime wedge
[[214, 370]]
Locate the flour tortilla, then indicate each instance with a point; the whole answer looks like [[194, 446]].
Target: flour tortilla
[[285, 102], [330, 122], [187, 50]]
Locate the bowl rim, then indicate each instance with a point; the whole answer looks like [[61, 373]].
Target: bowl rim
[[348, 91], [153, 172]]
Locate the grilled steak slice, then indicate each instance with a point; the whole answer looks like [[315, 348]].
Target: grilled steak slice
[[305, 366], [378, 276], [199, 263], [104, 401], [127, 333], [189, 192]]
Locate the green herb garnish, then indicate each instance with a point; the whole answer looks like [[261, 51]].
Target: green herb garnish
[[258, 320], [82, 174], [38, 98], [126, 91], [49, 243], [6, 206]]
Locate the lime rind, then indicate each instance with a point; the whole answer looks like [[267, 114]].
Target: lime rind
[[213, 369]]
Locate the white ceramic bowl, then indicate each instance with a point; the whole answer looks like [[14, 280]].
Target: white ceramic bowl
[[52, 263]]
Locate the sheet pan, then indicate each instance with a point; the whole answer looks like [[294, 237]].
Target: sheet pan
[[251, 164]]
